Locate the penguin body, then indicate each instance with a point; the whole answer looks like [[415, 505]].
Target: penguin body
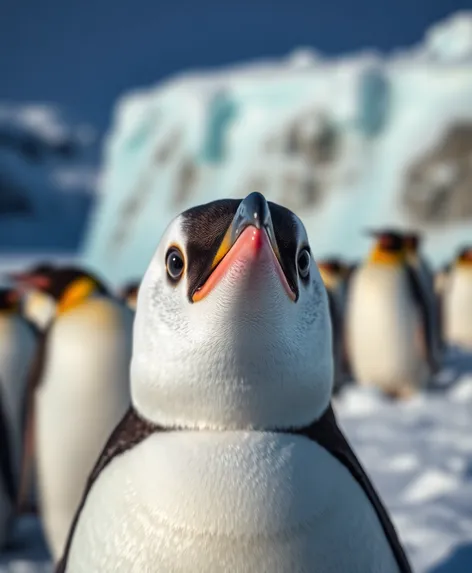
[[458, 302], [7, 477], [78, 398], [230, 457], [388, 323], [331, 274], [197, 490], [18, 343], [426, 279]]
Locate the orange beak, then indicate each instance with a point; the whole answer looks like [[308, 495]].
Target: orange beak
[[251, 237]]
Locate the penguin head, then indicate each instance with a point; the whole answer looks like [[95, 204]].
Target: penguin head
[[10, 301], [68, 286], [129, 294], [464, 257], [412, 242], [332, 271], [232, 328], [389, 247]]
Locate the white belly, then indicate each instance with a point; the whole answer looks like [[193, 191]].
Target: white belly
[[17, 347], [458, 309], [243, 502], [383, 330], [83, 395]]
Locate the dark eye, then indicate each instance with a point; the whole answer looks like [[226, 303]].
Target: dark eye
[[303, 263], [174, 263]]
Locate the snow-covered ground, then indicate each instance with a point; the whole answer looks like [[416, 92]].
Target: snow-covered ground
[[419, 454]]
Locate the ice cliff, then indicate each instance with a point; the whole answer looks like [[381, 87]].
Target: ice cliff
[[347, 143]]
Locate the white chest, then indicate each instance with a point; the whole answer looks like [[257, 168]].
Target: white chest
[[229, 501], [83, 394], [458, 308], [385, 333]]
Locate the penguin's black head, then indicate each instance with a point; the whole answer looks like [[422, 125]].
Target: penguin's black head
[[9, 300], [233, 300], [68, 286], [412, 242], [130, 289], [389, 247], [331, 265], [464, 256]]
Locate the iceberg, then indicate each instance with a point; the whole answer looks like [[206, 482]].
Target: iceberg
[[348, 143]]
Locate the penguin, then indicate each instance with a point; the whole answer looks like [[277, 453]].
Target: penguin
[[458, 301], [332, 274], [441, 278], [79, 394], [37, 306], [388, 323], [230, 457], [7, 473], [129, 294], [18, 345], [426, 276]]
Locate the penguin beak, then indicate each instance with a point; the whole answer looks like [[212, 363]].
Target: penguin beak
[[28, 281], [251, 228]]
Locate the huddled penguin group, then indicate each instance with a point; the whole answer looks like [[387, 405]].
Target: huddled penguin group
[[395, 317], [64, 362], [185, 422]]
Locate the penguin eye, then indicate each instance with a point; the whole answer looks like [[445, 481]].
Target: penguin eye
[[174, 263], [303, 263]]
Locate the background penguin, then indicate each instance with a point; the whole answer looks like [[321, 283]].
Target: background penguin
[[37, 306], [230, 458], [388, 321], [440, 280], [332, 274], [458, 301], [426, 276], [7, 477], [18, 344], [80, 393], [129, 294]]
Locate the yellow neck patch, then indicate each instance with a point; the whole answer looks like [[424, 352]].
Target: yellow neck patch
[[330, 281], [75, 294], [383, 257], [9, 311], [464, 264]]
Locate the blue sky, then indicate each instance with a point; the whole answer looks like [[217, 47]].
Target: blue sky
[[83, 55]]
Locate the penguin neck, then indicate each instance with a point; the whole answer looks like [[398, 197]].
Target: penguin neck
[[76, 294], [259, 403]]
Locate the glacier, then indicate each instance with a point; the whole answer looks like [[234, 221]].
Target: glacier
[[347, 143]]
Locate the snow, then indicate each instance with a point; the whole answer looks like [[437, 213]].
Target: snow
[[418, 454]]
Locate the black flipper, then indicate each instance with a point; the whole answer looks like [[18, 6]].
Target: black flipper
[[328, 435], [128, 433], [421, 300], [6, 459], [28, 422]]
